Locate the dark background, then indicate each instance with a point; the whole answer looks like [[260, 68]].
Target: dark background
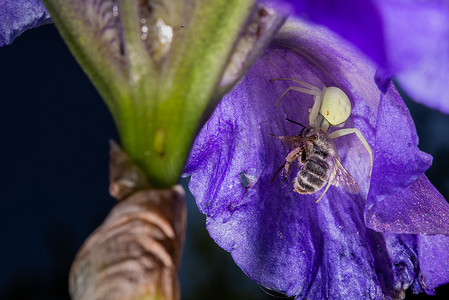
[[54, 147]]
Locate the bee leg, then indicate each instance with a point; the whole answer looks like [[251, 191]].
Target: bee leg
[[278, 172], [329, 182], [346, 131], [291, 157]]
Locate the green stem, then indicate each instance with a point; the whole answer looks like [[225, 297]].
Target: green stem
[[161, 116]]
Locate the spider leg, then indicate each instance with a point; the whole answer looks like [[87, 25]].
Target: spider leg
[[295, 88], [303, 83], [345, 131], [314, 121]]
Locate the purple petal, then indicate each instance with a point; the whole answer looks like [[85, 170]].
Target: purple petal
[[16, 16], [281, 239], [416, 35], [401, 199], [396, 262], [422, 209], [433, 260]]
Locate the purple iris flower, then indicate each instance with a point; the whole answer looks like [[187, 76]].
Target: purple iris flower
[[375, 244], [372, 245]]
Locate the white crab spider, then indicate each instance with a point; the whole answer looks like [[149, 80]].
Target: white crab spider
[[331, 107]]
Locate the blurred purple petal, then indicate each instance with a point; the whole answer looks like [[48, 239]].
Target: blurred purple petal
[[283, 240], [16, 16], [416, 40], [357, 21], [409, 38]]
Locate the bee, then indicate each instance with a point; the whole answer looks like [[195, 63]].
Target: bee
[[319, 161], [317, 156]]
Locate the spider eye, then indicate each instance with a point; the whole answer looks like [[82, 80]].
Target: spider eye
[[336, 106]]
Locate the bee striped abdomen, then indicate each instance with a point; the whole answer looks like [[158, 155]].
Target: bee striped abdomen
[[313, 174]]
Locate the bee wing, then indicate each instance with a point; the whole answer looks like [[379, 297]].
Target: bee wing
[[294, 140], [344, 179]]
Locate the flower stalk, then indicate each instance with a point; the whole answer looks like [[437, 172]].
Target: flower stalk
[[136, 252]]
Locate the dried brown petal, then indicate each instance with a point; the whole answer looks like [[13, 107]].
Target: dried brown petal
[[125, 178], [136, 252]]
